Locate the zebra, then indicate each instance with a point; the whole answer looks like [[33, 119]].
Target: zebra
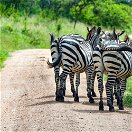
[[71, 75], [117, 62], [110, 39], [115, 37], [74, 57]]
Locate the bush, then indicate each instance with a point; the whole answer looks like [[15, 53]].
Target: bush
[[107, 14], [128, 100]]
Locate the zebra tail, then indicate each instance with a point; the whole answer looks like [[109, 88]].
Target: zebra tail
[[53, 64], [123, 48]]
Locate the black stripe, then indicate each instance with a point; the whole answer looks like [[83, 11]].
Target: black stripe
[[53, 52], [69, 61], [113, 62], [111, 55], [112, 72], [77, 47], [82, 55], [52, 46], [96, 61], [124, 57], [69, 55], [71, 50], [96, 55], [114, 68]]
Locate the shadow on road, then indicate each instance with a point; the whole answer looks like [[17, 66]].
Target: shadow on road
[[52, 102], [96, 103], [49, 96], [105, 111], [68, 96]]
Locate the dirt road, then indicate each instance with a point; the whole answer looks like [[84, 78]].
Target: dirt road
[[28, 101]]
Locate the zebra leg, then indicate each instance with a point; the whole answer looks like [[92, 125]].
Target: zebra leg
[[60, 92], [71, 75], [77, 85], [117, 90], [57, 70], [109, 91], [122, 90], [92, 80], [89, 76], [100, 88]]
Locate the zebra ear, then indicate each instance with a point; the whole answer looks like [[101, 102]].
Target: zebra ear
[[119, 34], [103, 33], [94, 28], [88, 29], [51, 38], [126, 39], [114, 34], [99, 30]]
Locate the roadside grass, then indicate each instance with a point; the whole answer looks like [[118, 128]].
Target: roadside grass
[[22, 32], [3, 56], [128, 93]]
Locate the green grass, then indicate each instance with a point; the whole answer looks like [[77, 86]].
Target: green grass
[[3, 56], [128, 93], [33, 32]]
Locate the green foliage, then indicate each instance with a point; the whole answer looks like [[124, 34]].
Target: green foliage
[[3, 56], [128, 93], [128, 100], [33, 32], [106, 13]]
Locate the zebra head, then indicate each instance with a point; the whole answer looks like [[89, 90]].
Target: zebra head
[[93, 37], [90, 33], [107, 36]]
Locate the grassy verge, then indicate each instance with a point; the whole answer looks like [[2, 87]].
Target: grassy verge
[[21, 32], [3, 56], [128, 93]]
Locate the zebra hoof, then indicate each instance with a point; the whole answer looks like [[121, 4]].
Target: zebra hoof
[[74, 94], [76, 99], [94, 94], [91, 100], [59, 98], [64, 93], [118, 102], [121, 107], [101, 106], [111, 109]]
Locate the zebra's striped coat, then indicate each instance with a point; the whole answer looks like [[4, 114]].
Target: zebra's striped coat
[[116, 63], [74, 55]]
